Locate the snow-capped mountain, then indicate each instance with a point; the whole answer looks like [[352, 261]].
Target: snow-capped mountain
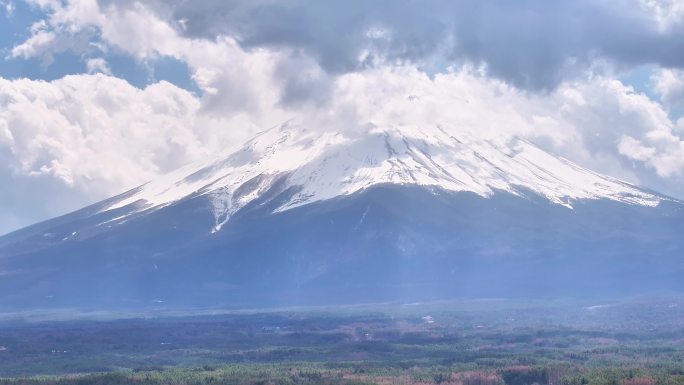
[[322, 166], [302, 216]]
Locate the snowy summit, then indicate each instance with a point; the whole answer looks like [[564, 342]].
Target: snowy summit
[[324, 166]]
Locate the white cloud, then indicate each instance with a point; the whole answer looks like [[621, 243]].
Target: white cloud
[[6, 137], [46, 4], [98, 65], [634, 149], [95, 136], [36, 45], [47, 41], [669, 84], [667, 13], [75, 128], [9, 8]]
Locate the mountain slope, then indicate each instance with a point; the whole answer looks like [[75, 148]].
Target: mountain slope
[[298, 217]]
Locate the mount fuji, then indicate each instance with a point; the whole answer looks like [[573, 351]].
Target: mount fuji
[[298, 216]]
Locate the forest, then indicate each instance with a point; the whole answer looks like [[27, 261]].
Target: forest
[[484, 342]]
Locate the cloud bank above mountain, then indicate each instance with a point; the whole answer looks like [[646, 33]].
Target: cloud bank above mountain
[[550, 72]]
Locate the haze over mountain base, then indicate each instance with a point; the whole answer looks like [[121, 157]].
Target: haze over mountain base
[[386, 244]]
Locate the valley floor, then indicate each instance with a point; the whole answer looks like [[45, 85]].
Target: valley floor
[[492, 342]]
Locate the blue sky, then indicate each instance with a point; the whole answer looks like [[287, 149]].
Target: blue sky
[[97, 97], [15, 29]]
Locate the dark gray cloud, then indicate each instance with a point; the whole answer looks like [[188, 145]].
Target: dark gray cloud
[[533, 44], [302, 81]]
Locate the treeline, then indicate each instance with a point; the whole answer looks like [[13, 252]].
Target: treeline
[[316, 375]]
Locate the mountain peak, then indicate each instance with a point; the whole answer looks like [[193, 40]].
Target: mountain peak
[[322, 165]]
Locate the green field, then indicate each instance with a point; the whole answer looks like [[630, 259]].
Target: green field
[[488, 342]]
